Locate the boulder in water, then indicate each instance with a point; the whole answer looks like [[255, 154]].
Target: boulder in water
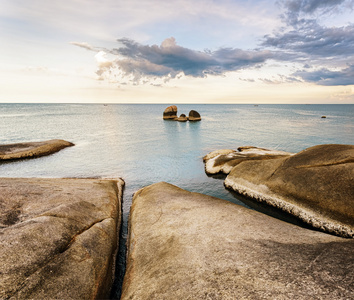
[[170, 113], [194, 116], [182, 118], [31, 149], [315, 185], [222, 161]]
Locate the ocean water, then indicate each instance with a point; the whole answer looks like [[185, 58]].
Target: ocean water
[[134, 143]]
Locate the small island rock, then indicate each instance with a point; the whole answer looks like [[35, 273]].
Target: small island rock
[[194, 116], [182, 118], [31, 149], [170, 113]]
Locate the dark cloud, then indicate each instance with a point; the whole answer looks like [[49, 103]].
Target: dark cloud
[[305, 40], [315, 41], [327, 77], [296, 10], [171, 59]]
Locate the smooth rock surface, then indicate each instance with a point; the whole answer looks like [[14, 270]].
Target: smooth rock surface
[[194, 116], [170, 113], [316, 185], [58, 237], [185, 245], [222, 161], [31, 149]]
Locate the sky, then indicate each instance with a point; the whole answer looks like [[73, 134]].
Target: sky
[[178, 51]]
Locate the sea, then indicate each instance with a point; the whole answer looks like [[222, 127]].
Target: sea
[[133, 142]]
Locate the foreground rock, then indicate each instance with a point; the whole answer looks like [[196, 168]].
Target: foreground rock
[[185, 245], [222, 161], [170, 113], [32, 149], [194, 116], [316, 185], [58, 237]]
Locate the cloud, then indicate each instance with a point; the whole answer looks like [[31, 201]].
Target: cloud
[[296, 10], [305, 40], [327, 77], [169, 59], [84, 45], [315, 41]]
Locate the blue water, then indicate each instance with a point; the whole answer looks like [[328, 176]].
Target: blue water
[[133, 142]]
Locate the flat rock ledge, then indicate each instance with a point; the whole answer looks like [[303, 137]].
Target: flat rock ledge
[[185, 245], [222, 161], [315, 185], [31, 149], [58, 237]]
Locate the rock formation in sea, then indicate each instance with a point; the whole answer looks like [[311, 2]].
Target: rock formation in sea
[[194, 116], [182, 118], [315, 185], [222, 161], [58, 237], [185, 245], [170, 113], [31, 149]]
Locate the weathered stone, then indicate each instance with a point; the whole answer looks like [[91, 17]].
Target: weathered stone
[[185, 245], [31, 149], [58, 237], [182, 118], [316, 185], [170, 113], [194, 116], [222, 161]]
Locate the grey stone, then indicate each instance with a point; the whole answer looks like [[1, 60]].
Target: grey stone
[[222, 161], [58, 237], [315, 185], [185, 245]]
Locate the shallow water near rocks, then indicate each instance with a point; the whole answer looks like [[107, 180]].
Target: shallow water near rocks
[[134, 143]]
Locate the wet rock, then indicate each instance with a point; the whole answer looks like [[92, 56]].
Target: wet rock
[[58, 237], [31, 149], [222, 161], [185, 245], [170, 113], [194, 116], [182, 118], [315, 185]]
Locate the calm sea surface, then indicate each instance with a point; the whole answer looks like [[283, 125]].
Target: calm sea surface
[[133, 142]]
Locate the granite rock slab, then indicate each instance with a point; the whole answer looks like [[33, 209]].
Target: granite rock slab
[[315, 185], [222, 161], [31, 149], [58, 237], [185, 245]]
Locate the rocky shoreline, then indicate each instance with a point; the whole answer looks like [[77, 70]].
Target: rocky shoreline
[[59, 237], [315, 185]]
